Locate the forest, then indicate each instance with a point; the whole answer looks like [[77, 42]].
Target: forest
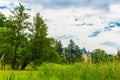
[[26, 45]]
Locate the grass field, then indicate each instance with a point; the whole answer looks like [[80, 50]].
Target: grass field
[[77, 71]]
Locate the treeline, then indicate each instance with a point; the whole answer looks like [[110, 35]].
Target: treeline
[[72, 53], [23, 43]]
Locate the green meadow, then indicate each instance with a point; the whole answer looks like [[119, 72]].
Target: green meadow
[[76, 71]]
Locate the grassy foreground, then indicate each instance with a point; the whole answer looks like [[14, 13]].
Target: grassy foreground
[[77, 71]]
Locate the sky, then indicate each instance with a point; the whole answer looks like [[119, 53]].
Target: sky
[[90, 23]]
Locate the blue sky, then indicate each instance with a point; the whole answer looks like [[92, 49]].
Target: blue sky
[[99, 4], [77, 3], [90, 23]]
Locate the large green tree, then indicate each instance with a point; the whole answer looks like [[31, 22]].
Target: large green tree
[[18, 28], [5, 39], [41, 47], [5, 47], [98, 55]]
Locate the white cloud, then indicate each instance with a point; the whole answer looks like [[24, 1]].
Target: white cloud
[[61, 20], [115, 8]]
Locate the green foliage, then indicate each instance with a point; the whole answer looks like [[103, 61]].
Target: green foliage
[[23, 42], [5, 34], [19, 18], [73, 52], [10, 77], [59, 48], [2, 19], [99, 55], [71, 47], [53, 57], [41, 47], [118, 55], [77, 71], [5, 47]]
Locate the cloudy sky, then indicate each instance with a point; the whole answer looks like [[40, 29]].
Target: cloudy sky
[[90, 23]]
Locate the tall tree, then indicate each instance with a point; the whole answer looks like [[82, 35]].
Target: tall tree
[[5, 47], [71, 47], [71, 51], [98, 55], [41, 47], [5, 39], [19, 47], [78, 54], [59, 48], [19, 18]]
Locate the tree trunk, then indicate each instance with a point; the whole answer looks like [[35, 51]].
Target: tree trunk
[[25, 64], [13, 61], [17, 66], [14, 58]]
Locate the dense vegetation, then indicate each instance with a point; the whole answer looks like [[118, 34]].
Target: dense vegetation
[[77, 71], [23, 42]]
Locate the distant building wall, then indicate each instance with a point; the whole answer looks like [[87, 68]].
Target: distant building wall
[[86, 57]]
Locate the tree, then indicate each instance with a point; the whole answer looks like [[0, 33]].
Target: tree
[[5, 47], [110, 58], [71, 47], [98, 55], [22, 42], [59, 48], [19, 25], [78, 54], [39, 40], [41, 48], [71, 51], [5, 40]]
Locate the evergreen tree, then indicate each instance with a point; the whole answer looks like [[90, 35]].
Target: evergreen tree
[[60, 48], [71, 52], [77, 53], [71, 47]]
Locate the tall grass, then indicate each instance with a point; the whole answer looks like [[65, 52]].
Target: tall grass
[[77, 71]]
